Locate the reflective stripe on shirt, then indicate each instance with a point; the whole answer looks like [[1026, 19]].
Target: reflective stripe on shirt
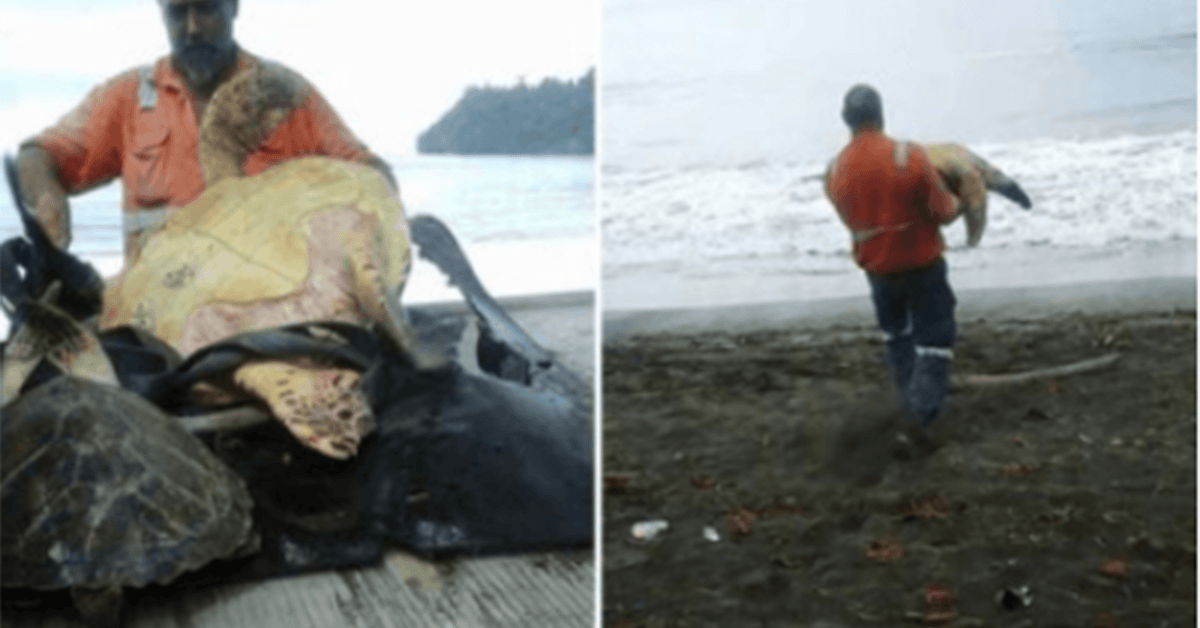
[[147, 93]]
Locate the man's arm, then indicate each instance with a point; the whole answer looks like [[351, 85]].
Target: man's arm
[[80, 151], [43, 194], [932, 194]]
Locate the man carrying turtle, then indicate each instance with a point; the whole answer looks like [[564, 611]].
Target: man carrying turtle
[[893, 201], [146, 125]]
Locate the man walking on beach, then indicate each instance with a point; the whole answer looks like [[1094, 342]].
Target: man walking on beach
[[893, 202], [144, 126]]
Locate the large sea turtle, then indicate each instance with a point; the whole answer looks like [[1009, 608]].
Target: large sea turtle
[[309, 239], [970, 177]]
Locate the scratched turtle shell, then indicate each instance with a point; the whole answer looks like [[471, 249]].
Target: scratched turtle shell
[[102, 489]]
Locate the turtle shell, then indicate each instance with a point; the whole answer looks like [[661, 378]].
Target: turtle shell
[[964, 180], [102, 489], [247, 240]]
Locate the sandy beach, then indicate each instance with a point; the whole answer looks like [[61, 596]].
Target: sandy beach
[[773, 429]]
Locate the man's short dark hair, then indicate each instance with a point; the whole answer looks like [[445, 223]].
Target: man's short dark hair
[[862, 106]]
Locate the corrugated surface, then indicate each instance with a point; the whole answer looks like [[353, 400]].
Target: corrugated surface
[[548, 589]]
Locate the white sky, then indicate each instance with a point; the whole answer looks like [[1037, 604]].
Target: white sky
[[390, 68]]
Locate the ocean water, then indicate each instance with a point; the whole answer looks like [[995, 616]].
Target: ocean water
[[719, 120], [526, 223]]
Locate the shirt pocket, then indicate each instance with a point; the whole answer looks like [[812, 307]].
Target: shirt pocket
[[146, 162]]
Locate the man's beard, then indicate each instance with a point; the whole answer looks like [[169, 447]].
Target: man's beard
[[203, 63]]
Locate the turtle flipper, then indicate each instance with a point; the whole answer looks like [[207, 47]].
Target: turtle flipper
[[325, 409], [82, 286], [438, 246], [51, 336], [999, 182]]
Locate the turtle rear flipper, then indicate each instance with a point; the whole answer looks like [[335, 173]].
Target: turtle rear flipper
[[52, 340]]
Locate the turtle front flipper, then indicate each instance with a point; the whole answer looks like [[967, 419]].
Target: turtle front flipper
[[371, 263], [973, 194], [964, 180], [324, 408]]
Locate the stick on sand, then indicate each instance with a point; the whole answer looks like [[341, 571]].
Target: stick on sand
[[1083, 366]]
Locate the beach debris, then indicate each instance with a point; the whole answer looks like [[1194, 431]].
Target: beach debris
[[710, 534], [779, 509], [1074, 368], [1035, 413], [1116, 441], [1115, 568], [739, 521], [703, 482], [1017, 470], [925, 508], [884, 549], [616, 483], [1014, 598], [939, 604], [678, 456], [1085, 439], [647, 531]]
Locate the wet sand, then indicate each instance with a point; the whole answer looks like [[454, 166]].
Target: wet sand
[[1064, 501]]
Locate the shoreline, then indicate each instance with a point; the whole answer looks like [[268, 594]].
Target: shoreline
[[1036, 302], [678, 288]]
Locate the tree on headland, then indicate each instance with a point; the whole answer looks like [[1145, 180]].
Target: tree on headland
[[554, 118]]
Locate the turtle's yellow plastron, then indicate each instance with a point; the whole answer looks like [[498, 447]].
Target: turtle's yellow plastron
[[310, 239]]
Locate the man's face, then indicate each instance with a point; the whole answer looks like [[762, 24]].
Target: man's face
[[201, 34]]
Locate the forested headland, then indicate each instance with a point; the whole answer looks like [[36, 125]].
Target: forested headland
[[553, 118]]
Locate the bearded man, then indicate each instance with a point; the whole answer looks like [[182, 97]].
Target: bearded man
[[145, 126]]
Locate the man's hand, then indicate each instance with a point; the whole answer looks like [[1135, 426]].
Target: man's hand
[[44, 195]]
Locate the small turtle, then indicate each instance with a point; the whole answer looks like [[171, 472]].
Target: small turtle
[[970, 177], [309, 239], [99, 488]]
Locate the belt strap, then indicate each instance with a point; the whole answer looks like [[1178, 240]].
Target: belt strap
[[862, 235]]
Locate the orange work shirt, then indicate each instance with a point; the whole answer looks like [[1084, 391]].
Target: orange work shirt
[[155, 150], [893, 201]]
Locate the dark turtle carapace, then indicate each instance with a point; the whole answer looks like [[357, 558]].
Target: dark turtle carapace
[[102, 490]]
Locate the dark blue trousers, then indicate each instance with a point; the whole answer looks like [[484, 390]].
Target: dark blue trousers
[[915, 308]]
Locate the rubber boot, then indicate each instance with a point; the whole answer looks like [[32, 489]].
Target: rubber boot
[[927, 388], [900, 356]]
